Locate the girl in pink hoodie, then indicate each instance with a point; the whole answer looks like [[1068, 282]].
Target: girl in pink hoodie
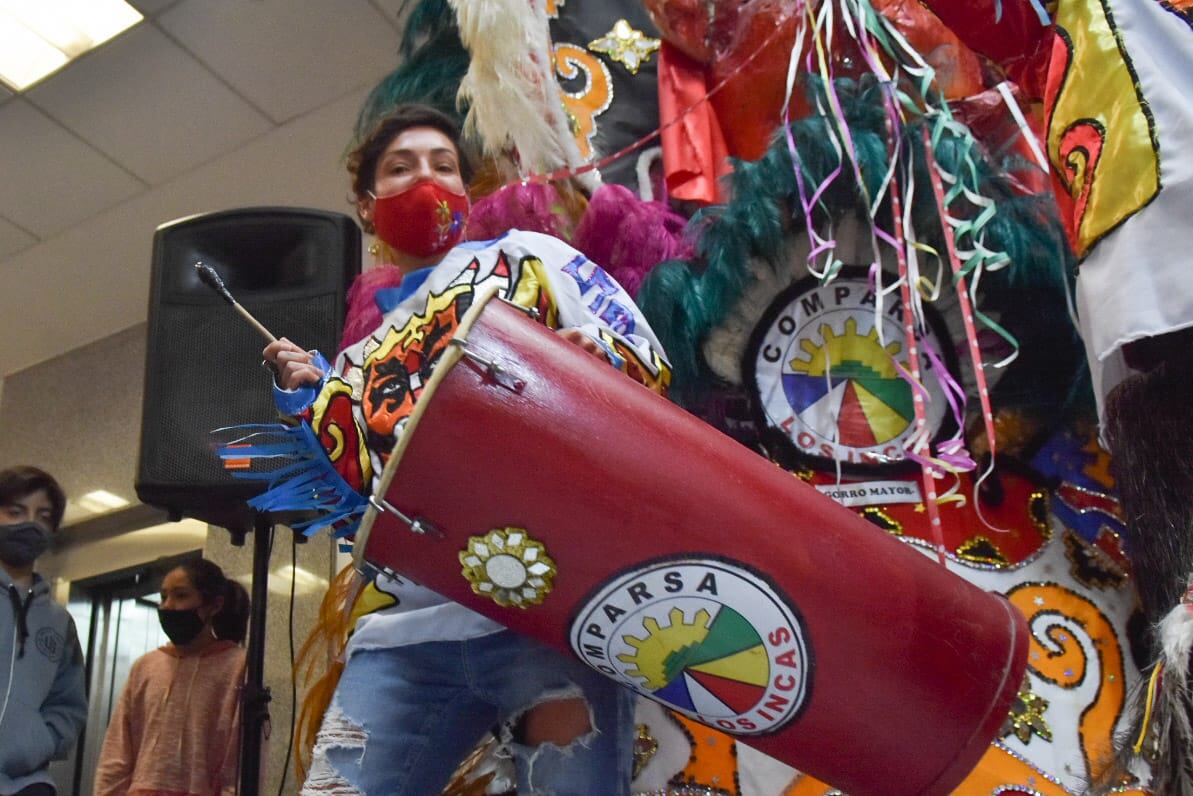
[[176, 729]]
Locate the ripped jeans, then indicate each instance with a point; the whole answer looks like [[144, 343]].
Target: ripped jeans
[[403, 719]]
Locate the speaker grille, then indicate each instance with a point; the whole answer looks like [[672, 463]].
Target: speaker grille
[[203, 360], [212, 378]]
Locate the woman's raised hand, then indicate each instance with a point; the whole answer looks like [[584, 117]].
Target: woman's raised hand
[[292, 365]]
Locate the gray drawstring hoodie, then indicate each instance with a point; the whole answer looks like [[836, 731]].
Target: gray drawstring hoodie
[[43, 701]]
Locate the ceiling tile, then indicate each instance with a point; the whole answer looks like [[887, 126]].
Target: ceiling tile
[[52, 179], [93, 279], [150, 106], [396, 11], [287, 56], [13, 238]]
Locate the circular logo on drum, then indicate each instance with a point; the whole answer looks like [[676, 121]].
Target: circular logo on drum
[[826, 373], [707, 638]]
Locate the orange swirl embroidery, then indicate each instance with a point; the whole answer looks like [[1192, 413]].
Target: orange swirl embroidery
[[1000, 772], [584, 105], [1059, 657]]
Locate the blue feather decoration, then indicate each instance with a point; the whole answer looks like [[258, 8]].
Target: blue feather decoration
[[304, 481]]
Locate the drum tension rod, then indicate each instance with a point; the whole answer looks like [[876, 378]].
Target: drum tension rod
[[370, 571], [491, 366], [420, 527], [531, 311]]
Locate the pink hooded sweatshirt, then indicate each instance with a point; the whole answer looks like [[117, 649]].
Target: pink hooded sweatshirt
[[176, 728]]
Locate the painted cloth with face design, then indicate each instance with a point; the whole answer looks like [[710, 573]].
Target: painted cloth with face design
[[358, 410]]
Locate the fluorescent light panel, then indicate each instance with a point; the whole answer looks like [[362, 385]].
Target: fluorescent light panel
[[101, 500], [38, 37]]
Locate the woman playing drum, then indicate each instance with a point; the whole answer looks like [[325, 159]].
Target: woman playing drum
[[425, 677]]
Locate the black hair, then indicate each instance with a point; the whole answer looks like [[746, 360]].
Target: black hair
[[231, 622], [1150, 430], [22, 480], [362, 161]]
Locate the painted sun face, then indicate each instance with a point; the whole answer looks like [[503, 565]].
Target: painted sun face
[[397, 372]]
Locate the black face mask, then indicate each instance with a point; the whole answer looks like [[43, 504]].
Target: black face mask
[[21, 544], [181, 626]]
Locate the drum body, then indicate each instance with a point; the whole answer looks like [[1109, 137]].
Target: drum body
[[575, 506]]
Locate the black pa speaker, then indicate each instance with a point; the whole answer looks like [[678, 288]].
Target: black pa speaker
[[289, 267]]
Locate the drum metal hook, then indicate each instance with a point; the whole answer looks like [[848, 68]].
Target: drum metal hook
[[494, 368], [532, 312], [419, 526]]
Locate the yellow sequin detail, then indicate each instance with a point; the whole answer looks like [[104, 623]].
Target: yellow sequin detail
[[629, 47], [1027, 716]]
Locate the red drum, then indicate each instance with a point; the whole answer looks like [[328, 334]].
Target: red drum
[[562, 499]]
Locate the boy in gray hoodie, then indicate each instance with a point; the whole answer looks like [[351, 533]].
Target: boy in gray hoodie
[[43, 702]]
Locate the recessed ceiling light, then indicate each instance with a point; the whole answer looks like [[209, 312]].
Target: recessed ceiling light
[[38, 37], [100, 501]]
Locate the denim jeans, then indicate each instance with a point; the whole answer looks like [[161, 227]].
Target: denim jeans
[[403, 719]]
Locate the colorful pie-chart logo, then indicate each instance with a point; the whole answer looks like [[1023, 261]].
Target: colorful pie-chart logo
[[827, 375], [709, 639]]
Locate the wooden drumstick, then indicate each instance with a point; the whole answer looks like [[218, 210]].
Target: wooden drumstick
[[210, 278]]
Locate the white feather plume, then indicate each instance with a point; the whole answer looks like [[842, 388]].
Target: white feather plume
[[515, 101], [1166, 739], [1176, 641]]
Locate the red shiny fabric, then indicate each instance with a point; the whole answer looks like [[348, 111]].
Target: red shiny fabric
[[694, 155], [748, 47], [753, 62], [727, 40], [1017, 41], [958, 70], [687, 26], [911, 669], [988, 118]]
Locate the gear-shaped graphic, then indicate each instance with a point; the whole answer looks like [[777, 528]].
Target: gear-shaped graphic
[[848, 354], [654, 656]]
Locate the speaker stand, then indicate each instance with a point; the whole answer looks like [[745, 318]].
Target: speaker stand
[[254, 711]]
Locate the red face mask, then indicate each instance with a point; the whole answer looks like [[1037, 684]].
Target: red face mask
[[424, 220]]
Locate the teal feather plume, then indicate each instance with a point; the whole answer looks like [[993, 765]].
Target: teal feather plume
[[432, 63], [428, 20], [672, 291], [685, 301]]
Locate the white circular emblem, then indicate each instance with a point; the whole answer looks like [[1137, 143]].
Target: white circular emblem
[[827, 378], [706, 638]]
